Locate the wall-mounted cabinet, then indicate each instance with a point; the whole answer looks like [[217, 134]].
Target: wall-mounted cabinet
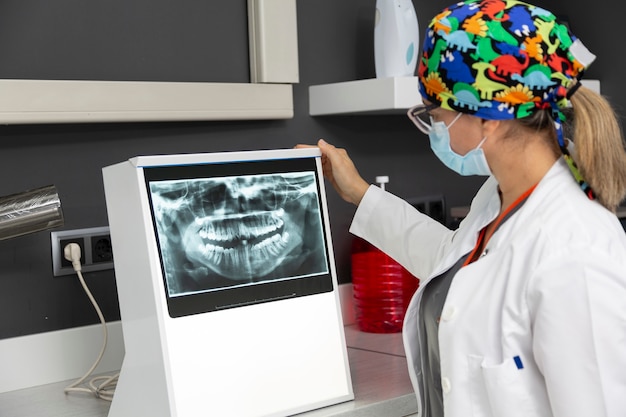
[[376, 96]]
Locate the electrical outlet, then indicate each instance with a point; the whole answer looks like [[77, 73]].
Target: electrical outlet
[[432, 205], [101, 249], [95, 247]]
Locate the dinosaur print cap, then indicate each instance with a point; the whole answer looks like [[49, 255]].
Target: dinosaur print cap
[[500, 59], [503, 59]]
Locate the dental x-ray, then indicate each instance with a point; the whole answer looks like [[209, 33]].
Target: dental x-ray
[[219, 233]]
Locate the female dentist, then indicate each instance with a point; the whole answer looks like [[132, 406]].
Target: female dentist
[[522, 309]]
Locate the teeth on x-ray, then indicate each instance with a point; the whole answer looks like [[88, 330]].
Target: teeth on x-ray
[[271, 246], [233, 230]]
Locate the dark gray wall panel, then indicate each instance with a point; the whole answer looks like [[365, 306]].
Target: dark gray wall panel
[[170, 40]]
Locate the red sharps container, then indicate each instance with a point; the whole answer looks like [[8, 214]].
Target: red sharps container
[[382, 287]]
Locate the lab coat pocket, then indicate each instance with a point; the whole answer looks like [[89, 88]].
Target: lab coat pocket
[[507, 389]]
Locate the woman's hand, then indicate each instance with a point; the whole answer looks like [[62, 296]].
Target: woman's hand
[[340, 171]]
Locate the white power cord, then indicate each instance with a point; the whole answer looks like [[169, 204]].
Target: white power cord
[[105, 389]]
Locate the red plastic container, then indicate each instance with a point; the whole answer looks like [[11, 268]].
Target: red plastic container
[[382, 289]]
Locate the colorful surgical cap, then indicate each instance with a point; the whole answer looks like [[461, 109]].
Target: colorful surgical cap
[[501, 59]]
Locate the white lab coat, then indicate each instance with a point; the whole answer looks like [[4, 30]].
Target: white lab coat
[[551, 290]]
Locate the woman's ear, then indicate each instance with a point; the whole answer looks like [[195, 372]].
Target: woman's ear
[[489, 126]]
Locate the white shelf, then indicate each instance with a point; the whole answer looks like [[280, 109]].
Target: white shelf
[[372, 96], [376, 96], [51, 101]]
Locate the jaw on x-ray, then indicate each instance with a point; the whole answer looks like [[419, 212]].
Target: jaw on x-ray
[[220, 232]]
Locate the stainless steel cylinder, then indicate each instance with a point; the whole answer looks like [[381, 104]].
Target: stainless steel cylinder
[[30, 211]]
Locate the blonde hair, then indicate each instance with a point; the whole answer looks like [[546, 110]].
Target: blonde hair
[[595, 129], [599, 142]]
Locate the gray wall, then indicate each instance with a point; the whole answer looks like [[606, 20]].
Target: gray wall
[[162, 40]]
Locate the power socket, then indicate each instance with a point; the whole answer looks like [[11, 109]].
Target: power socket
[[432, 205], [95, 247]]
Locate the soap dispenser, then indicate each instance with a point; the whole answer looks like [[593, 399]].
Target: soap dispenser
[[396, 38], [382, 288]]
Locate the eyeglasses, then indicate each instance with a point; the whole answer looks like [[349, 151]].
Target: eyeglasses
[[421, 118]]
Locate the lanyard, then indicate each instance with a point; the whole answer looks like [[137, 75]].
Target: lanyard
[[483, 238]]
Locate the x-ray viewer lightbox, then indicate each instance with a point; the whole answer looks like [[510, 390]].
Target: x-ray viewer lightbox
[[227, 285]]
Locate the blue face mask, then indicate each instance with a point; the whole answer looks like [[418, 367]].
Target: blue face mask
[[472, 163]]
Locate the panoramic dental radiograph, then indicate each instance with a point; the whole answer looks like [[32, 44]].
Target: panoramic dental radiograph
[[232, 231]]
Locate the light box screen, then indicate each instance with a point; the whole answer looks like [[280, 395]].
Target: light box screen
[[238, 233]]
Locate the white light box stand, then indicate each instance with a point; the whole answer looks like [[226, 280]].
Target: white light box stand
[[209, 331]]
